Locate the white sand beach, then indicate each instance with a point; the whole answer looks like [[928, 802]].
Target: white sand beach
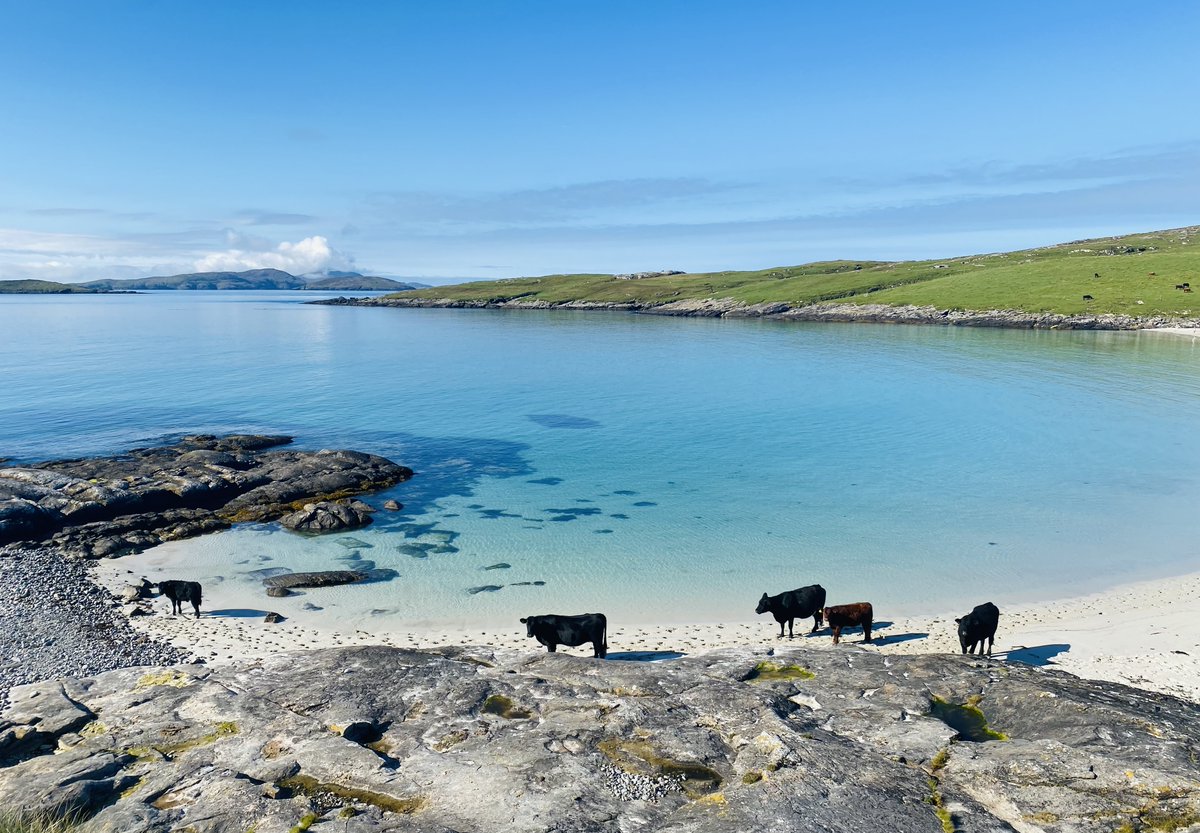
[[1145, 634]]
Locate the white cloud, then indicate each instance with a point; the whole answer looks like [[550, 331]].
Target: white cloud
[[312, 254]]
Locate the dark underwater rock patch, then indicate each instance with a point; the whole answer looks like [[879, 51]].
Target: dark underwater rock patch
[[562, 421]]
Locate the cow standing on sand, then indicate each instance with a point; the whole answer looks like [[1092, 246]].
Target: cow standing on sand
[[978, 625], [849, 616], [179, 592], [794, 604], [553, 630]]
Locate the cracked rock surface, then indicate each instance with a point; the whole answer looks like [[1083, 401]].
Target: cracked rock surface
[[475, 739], [109, 506]]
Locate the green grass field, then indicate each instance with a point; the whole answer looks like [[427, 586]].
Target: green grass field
[[1135, 268], [38, 287]]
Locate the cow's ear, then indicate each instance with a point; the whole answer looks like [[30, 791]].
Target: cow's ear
[[956, 621], [522, 621]]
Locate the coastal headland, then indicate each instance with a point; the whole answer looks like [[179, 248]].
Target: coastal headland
[[1131, 282]]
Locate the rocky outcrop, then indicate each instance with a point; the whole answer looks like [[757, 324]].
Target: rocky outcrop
[[328, 516], [320, 578], [107, 506], [832, 311], [375, 738]]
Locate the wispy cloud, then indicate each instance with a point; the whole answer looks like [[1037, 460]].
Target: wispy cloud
[[1121, 165], [252, 217], [559, 204]]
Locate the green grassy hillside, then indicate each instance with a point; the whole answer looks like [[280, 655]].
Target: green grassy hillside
[[39, 287], [1133, 268]]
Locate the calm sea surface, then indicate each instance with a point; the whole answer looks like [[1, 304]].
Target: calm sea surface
[[656, 469]]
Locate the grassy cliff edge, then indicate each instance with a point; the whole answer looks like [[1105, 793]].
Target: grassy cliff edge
[[1139, 276]]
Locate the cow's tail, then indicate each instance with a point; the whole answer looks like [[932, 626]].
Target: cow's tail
[[604, 634], [199, 594]]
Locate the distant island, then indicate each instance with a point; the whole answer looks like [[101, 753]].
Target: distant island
[[256, 279], [1130, 282]]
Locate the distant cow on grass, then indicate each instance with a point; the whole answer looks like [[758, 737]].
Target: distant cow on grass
[[794, 604], [978, 625], [1088, 298], [179, 592], [553, 630], [849, 616]]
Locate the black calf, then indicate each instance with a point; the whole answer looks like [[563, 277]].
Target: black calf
[[181, 591]]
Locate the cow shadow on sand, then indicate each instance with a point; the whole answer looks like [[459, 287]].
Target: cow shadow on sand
[[855, 634], [1035, 655]]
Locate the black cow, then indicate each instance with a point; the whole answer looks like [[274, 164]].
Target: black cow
[[179, 592], [978, 625], [553, 630], [794, 604]]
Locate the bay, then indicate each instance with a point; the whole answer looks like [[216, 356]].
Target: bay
[[657, 469]]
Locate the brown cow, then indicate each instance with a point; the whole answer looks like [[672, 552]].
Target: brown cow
[[848, 616]]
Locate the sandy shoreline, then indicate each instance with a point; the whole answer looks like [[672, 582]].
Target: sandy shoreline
[[1144, 634]]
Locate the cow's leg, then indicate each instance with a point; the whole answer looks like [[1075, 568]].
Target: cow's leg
[[196, 607], [781, 629], [791, 635], [816, 621], [552, 647], [991, 644], [599, 649], [837, 633], [867, 631]]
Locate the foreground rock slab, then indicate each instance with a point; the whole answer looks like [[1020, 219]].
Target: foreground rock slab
[[109, 506], [472, 739]]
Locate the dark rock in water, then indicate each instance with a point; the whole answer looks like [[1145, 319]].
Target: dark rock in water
[[416, 550], [443, 549], [486, 741], [619, 516], [327, 516], [381, 574], [268, 571], [645, 503], [503, 565], [311, 606], [278, 592], [602, 531], [353, 543], [273, 618], [624, 492], [393, 505], [562, 421], [528, 584], [110, 506], [485, 588], [323, 578], [546, 481]]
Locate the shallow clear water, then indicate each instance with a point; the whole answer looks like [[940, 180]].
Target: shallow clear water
[[656, 469]]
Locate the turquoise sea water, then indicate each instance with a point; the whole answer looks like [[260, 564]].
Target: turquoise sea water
[[656, 469]]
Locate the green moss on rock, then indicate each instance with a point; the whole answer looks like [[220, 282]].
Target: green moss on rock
[[966, 719], [640, 758], [309, 786], [771, 671], [500, 705]]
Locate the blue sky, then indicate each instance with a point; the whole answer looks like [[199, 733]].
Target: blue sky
[[491, 139]]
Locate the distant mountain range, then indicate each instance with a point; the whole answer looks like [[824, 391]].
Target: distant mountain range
[[256, 279]]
